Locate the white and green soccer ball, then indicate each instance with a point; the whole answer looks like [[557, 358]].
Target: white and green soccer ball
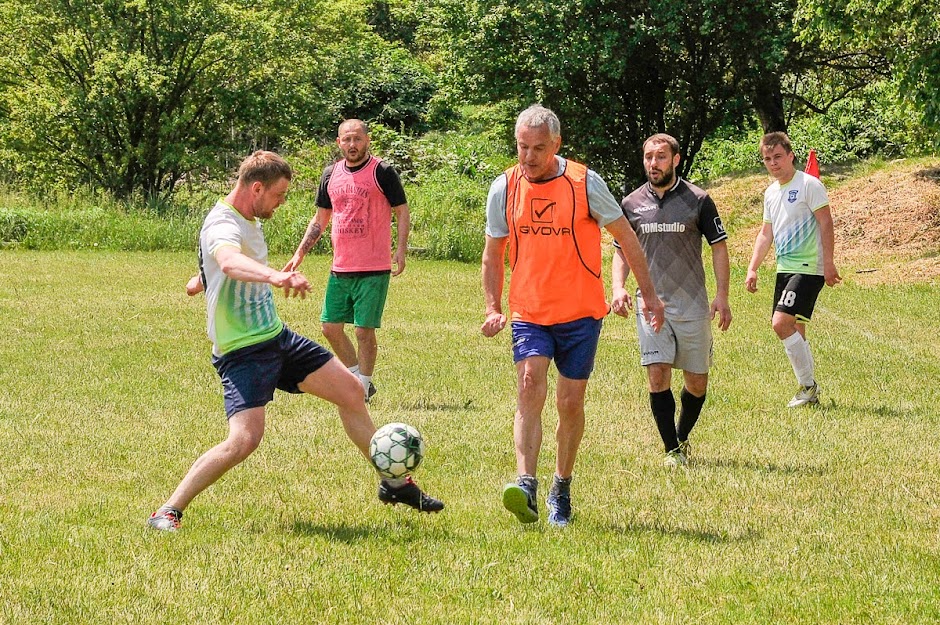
[[396, 449]]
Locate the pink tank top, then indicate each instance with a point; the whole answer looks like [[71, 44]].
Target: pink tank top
[[362, 220]]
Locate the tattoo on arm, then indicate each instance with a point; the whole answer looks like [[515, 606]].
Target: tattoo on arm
[[311, 237]]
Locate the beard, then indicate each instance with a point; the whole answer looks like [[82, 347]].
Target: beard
[[662, 180]]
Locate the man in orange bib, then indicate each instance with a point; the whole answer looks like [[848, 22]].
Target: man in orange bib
[[547, 212]]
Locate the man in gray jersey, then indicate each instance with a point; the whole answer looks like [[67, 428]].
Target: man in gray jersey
[[670, 217]]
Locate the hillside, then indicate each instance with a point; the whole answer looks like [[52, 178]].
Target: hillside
[[887, 218]]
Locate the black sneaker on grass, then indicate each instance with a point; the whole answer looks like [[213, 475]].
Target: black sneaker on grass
[[370, 392], [410, 495], [558, 503]]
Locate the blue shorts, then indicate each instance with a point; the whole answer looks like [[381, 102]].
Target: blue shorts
[[250, 374], [573, 345]]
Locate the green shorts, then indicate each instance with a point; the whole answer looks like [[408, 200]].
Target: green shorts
[[357, 300]]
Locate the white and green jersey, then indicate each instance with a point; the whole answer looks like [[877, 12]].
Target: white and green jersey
[[790, 210], [239, 313]]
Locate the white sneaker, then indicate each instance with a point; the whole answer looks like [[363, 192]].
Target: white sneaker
[[806, 395], [685, 448], [675, 458]]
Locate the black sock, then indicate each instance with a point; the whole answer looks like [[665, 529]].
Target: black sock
[[561, 485], [663, 405], [688, 415]]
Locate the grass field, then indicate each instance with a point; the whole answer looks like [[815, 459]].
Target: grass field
[[825, 515]]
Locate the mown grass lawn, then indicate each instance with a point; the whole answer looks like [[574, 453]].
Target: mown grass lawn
[[825, 515]]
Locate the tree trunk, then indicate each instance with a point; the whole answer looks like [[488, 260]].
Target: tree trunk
[[767, 101]]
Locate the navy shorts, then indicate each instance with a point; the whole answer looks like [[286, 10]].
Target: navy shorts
[[250, 374], [573, 345], [795, 294]]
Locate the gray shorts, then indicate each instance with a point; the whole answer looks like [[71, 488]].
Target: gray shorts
[[685, 345]]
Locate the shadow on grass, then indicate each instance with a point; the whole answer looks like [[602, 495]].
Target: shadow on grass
[[349, 534], [883, 411], [395, 529], [695, 535], [760, 467], [440, 406]]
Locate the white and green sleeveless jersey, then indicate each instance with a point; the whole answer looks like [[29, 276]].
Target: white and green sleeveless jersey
[[790, 211], [239, 313]]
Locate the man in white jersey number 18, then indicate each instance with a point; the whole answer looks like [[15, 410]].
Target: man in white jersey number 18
[[798, 222], [671, 217], [253, 351]]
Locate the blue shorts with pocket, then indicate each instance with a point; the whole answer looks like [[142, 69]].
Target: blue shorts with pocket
[[250, 374], [572, 345]]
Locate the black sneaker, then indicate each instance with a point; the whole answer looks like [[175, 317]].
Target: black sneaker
[[410, 495], [519, 498], [370, 392]]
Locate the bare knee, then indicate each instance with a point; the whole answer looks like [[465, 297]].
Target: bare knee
[[243, 444], [365, 336], [569, 406], [332, 331], [531, 386], [784, 326]]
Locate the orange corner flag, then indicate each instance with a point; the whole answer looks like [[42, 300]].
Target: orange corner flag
[[812, 165]]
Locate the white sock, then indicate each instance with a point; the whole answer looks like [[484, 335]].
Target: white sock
[[355, 369], [801, 359], [366, 380]]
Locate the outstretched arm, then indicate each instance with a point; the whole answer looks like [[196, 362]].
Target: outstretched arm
[[237, 266], [314, 231]]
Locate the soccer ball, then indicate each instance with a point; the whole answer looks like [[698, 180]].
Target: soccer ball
[[396, 449]]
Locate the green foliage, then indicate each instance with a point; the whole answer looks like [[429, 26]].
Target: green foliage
[[134, 96], [906, 31], [872, 124]]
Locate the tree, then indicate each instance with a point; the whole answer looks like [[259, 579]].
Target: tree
[[906, 33], [615, 71], [131, 95]]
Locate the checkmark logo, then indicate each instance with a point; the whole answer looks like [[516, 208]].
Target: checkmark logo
[[543, 210]]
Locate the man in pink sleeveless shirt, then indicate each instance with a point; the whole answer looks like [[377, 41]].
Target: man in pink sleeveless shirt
[[359, 193]]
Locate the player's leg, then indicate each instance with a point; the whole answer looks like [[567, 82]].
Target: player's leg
[[245, 431], [694, 357], [576, 348], [337, 385], [795, 296], [532, 388], [369, 295], [657, 355], [249, 377], [533, 349], [337, 312], [325, 377]]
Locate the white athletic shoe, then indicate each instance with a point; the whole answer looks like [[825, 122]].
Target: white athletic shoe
[[806, 395], [675, 458]]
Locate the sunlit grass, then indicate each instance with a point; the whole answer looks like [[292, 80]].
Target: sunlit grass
[[810, 516]]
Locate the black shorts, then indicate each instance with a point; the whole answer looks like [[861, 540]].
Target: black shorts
[[250, 374], [796, 293]]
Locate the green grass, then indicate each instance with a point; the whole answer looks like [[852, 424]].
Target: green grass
[[822, 515]]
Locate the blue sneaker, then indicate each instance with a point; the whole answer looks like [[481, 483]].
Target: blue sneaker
[[559, 508], [519, 498]]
